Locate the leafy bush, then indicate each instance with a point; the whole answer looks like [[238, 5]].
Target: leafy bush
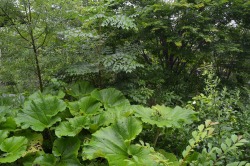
[[226, 106], [101, 127]]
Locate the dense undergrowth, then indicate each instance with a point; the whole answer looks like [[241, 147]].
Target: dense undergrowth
[[142, 82], [78, 124]]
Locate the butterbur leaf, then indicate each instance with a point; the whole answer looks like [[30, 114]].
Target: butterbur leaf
[[86, 105], [66, 129], [105, 118], [80, 89], [35, 141], [9, 124], [40, 112], [3, 112], [67, 150], [29, 159], [138, 155], [165, 116], [89, 105], [72, 127], [113, 143], [45, 160], [74, 108], [110, 97], [128, 128], [3, 134], [97, 121], [13, 149]]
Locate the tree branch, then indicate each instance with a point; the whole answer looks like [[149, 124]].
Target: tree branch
[[13, 23]]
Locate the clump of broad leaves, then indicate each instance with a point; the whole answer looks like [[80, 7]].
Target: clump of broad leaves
[[89, 126]]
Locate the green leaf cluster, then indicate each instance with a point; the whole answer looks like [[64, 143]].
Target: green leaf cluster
[[100, 126]]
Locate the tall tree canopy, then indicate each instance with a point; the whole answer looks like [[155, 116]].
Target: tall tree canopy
[[105, 41]]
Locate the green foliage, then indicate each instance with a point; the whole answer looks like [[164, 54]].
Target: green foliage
[[86, 105], [46, 160], [40, 112], [226, 107], [204, 131], [161, 55], [120, 61], [72, 127], [80, 89], [119, 151], [105, 125], [162, 116], [221, 155], [12, 148], [66, 150], [4, 134], [110, 98], [119, 21], [222, 105]]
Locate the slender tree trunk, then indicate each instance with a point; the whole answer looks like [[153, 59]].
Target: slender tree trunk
[[38, 69], [31, 39], [34, 47]]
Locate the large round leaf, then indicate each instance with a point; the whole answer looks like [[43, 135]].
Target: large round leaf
[[113, 143], [80, 89], [45, 160], [40, 112], [7, 121], [67, 150], [35, 142], [86, 105], [3, 134], [165, 116], [3, 111], [14, 148], [9, 124], [91, 122], [72, 127], [110, 97]]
